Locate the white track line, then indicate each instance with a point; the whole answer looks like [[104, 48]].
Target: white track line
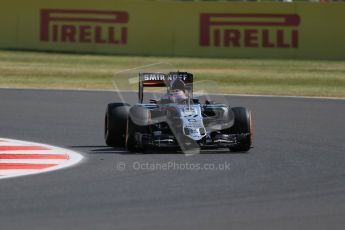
[[220, 94], [49, 159]]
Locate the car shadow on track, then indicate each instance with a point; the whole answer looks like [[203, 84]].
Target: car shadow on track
[[100, 149], [103, 149]]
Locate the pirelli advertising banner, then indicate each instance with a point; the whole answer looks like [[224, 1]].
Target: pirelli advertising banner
[[171, 28]]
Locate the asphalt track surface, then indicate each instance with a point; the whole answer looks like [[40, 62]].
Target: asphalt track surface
[[293, 178]]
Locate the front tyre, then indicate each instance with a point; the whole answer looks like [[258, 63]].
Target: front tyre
[[242, 125], [115, 122]]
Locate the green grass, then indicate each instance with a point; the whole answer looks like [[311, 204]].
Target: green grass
[[248, 76]]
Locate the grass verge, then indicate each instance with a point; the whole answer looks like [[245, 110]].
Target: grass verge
[[247, 76]]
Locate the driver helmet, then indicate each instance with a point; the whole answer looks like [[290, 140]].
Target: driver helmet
[[177, 90], [178, 84]]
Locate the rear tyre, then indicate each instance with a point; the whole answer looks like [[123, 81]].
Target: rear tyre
[[242, 125], [115, 124]]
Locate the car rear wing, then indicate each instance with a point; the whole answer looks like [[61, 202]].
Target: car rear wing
[[162, 80]]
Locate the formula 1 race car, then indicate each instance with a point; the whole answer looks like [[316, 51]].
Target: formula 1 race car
[[176, 120]]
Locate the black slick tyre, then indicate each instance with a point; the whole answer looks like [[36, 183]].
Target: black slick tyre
[[115, 123], [242, 125]]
